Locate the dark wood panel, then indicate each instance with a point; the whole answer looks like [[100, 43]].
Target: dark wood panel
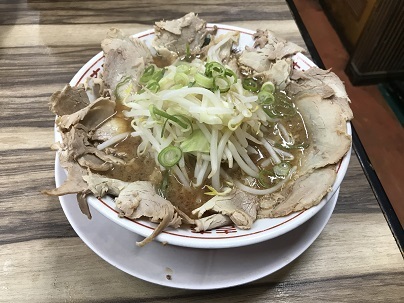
[[379, 55]]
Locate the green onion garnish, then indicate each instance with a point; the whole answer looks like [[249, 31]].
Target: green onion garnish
[[158, 75], [123, 88], [268, 87], [230, 73], [282, 169], [188, 55], [203, 81], [265, 97], [181, 78], [169, 156], [266, 178], [222, 83], [153, 86], [162, 190], [147, 74], [250, 84], [213, 69], [183, 68], [157, 112]]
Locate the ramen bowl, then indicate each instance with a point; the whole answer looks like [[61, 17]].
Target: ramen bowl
[[224, 237]]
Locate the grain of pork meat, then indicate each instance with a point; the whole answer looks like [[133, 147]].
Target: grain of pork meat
[[173, 37], [211, 222], [124, 56], [68, 100], [322, 82], [74, 184], [136, 200], [323, 105], [220, 47], [327, 129], [270, 59], [76, 151], [267, 49], [239, 206], [303, 193]]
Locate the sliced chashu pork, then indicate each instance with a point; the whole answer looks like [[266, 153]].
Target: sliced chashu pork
[[327, 132], [270, 59], [124, 56], [68, 100], [323, 104], [278, 73], [303, 193], [174, 37], [74, 184], [269, 49], [322, 82], [239, 206], [77, 153], [136, 200], [91, 116], [211, 222], [220, 47]]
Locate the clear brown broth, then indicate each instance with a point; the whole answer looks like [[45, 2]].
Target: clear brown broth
[[144, 168]]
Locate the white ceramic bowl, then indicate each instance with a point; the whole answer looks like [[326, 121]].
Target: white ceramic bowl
[[225, 237]]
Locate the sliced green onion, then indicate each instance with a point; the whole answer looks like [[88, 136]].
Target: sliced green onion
[[222, 83], [177, 86], [268, 87], [203, 81], [250, 84], [162, 190], [147, 74], [169, 156], [157, 112], [213, 69], [269, 111], [266, 178], [230, 73], [163, 128], [181, 78], [183, 68], [153, 86], [265, 97], [158, 75], [188, 55], [123, 88], [282, 169], [186, 119]]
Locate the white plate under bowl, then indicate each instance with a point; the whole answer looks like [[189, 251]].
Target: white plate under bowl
[[190, 268], [226, 237]]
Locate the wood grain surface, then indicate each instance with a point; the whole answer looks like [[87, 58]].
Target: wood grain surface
[[42, 45]]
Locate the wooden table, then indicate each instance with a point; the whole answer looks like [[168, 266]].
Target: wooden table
[[42, 45]]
